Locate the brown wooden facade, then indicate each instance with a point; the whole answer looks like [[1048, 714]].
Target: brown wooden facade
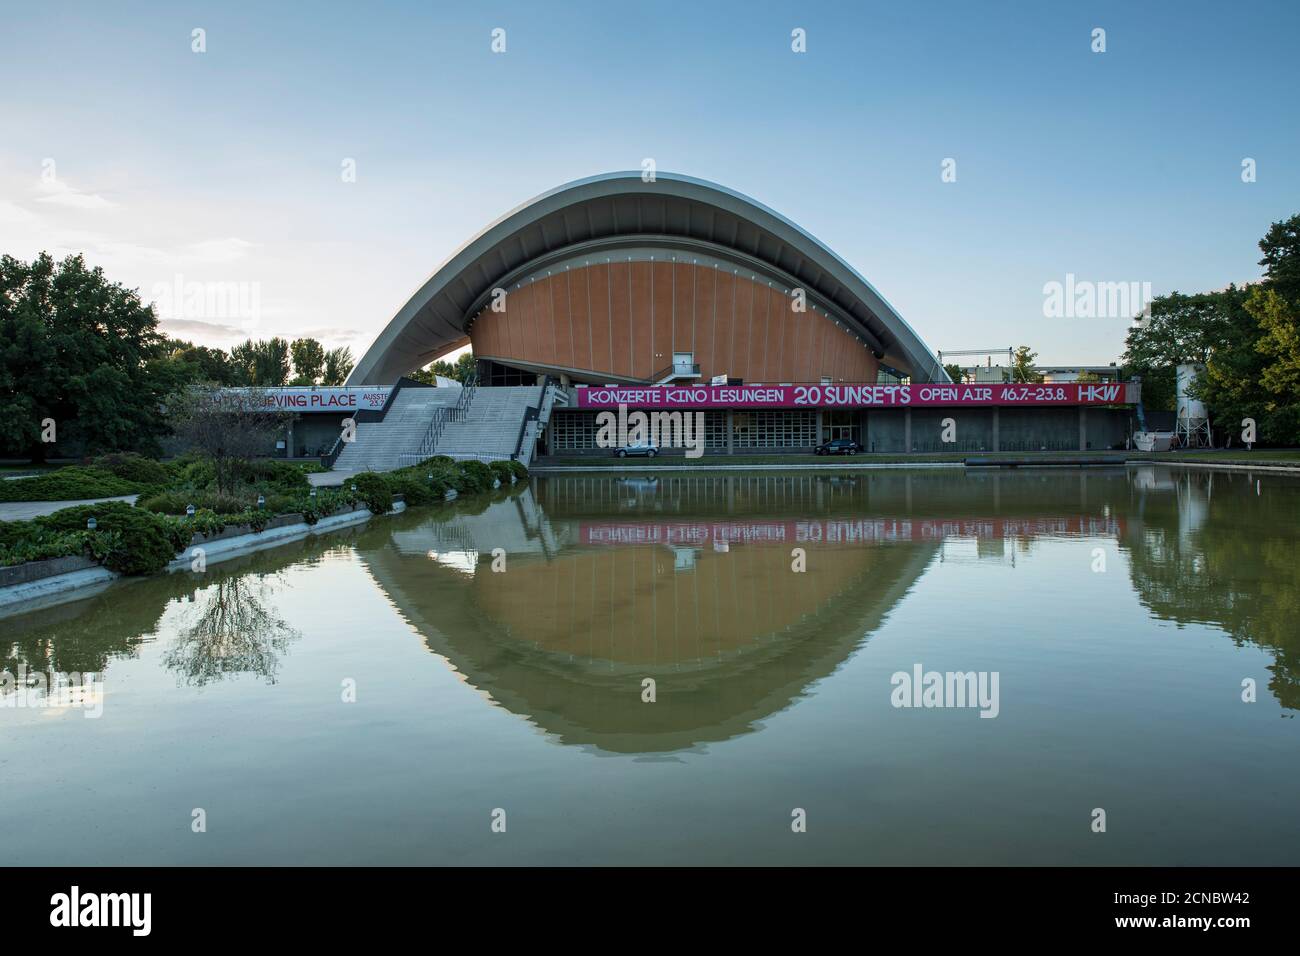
[[624, 320]]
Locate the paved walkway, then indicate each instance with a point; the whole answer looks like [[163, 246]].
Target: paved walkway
[[26, 510], [328, 479]]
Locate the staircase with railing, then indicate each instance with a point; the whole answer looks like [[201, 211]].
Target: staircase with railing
[[675, 371], [441, 418]]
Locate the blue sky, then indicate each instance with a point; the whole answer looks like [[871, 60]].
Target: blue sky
[[224, 167]]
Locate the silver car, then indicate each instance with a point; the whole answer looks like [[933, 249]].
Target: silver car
[[646, 448]]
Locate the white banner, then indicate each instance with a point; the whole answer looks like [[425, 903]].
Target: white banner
[[332, 399]]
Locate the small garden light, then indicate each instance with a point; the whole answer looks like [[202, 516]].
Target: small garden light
[[312, 493], [261, 500], [189, 511], [91, 523]]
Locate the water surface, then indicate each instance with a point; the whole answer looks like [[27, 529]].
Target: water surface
[[1121, 610]]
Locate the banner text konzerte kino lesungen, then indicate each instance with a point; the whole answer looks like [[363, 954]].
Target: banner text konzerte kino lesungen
[[694, 397]]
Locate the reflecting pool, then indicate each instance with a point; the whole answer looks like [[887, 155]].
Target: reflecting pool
[[693, 668]]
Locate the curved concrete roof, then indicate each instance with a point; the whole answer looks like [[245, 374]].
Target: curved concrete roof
[[618, 210]]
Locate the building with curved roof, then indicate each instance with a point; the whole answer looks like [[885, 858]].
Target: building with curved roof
[[623, 279]]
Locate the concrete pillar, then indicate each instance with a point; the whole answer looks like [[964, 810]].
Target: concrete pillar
[[1083, 428], [907, 439], [820, 439], [731, 440], [997, 445], [288, 448]]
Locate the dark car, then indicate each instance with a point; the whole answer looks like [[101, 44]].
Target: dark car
[[838, 446]]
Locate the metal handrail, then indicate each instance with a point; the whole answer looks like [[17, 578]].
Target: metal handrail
[[328, 459], [441, 416], [664, 372]]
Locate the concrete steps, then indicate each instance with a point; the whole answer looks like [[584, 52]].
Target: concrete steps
[[379, 445], [491, 426]]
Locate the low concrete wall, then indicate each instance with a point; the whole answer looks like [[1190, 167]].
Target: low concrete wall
[[36, 584], [234, 542], [38, 570]]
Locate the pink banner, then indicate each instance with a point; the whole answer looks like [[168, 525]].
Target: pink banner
[[699, 397], [842, 530]]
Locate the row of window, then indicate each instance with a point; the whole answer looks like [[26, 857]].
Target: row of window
[[758, 429]]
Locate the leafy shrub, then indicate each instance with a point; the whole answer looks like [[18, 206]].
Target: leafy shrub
[[326, 503], [133, 541], [417, 492], [193, 472], [67, 484], [263, 475], [279, 475], [473, 476], [22, 541], [373, 489], [501, 471], [134, 468], [175, 502]]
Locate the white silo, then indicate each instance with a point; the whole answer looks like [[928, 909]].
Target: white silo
[[1193, 423]]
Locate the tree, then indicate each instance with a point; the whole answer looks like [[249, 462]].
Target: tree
[[465, 367], [1022, 366], [229, 428], [1183, 328], [263, 364], [1245, 337], [1188, 328], [1087, 378], [79, 353], [308, 361], [1281, 262], [955, 372], [338, 364], [203, 364], [1280, 343]]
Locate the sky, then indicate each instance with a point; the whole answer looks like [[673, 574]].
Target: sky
[[227, 171]]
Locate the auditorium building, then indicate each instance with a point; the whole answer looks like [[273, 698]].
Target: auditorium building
[[673, 293]]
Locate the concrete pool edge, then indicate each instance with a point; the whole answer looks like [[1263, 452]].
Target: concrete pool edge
[[74, 585]]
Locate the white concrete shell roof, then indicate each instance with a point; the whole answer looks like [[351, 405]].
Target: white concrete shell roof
[[602, 214]]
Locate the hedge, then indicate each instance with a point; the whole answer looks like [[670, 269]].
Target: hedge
[[142, 540], [135, 468], [68, 484], [126, 539]]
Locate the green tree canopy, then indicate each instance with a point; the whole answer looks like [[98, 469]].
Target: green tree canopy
[[204, 364], [264, 364], [1022, 366], [80, 352], [308, 361], [338, 365]]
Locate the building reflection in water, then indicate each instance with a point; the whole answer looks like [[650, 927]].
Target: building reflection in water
[[687, 580]]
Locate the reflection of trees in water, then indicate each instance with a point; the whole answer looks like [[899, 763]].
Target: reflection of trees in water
[[85, 636], [234, 633], [1219, 554]]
